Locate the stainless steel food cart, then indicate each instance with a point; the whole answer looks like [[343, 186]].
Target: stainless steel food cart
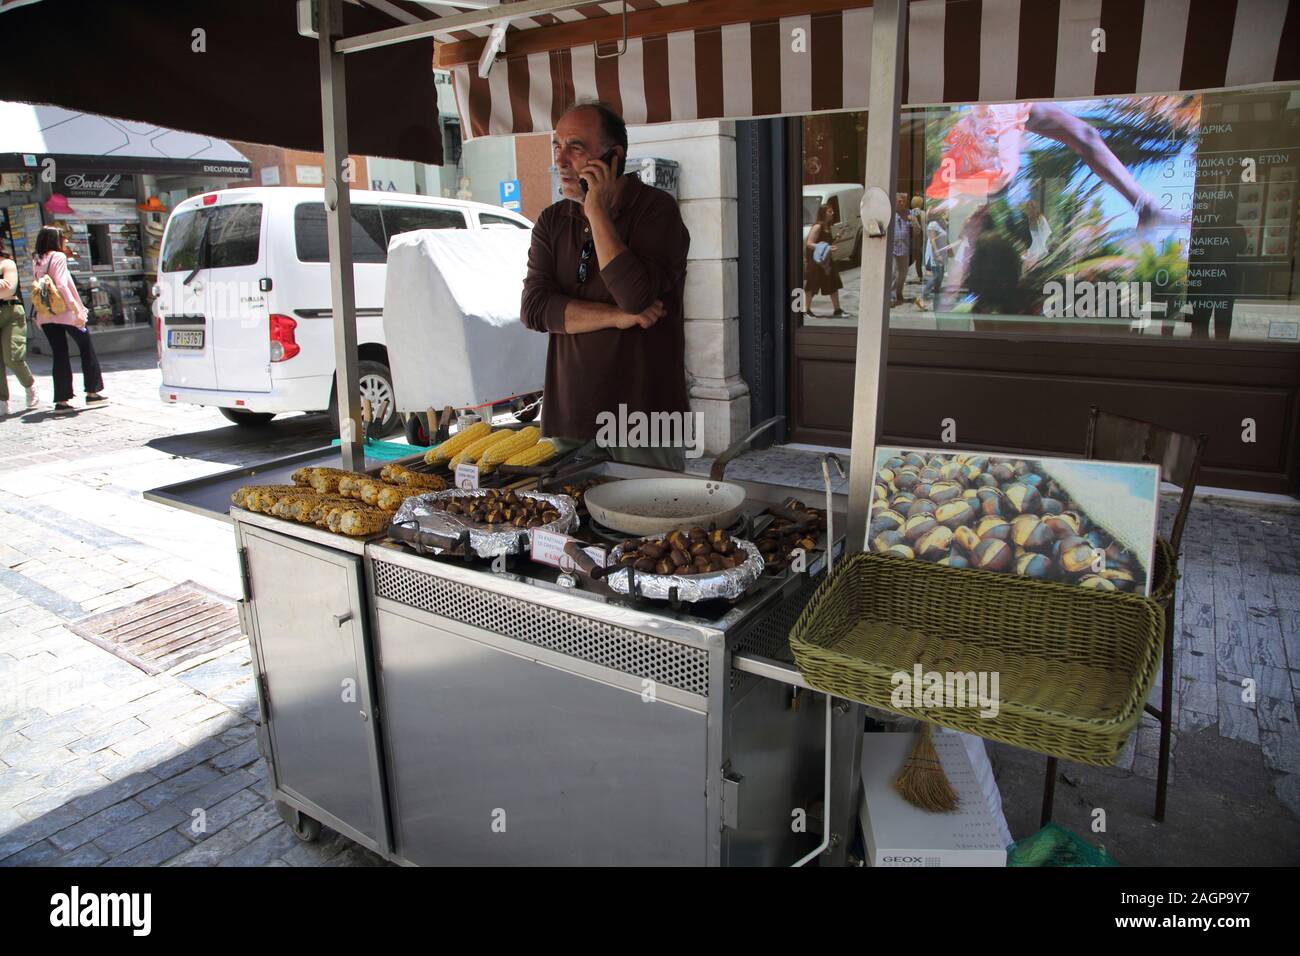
[[444, 711]]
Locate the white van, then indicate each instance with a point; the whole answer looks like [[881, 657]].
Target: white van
[[846, 200], [243, 312]]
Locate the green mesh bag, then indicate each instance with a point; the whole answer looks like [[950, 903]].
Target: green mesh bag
[[1054, 845]]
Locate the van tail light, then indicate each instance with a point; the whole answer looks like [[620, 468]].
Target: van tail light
[[283, 344], [157, 335]]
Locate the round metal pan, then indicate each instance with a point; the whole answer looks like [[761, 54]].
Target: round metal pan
[[646, 506]]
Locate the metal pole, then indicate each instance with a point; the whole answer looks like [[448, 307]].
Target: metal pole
[[338, 227], [889, 27]]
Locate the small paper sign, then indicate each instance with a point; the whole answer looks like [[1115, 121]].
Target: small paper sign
[[467, 476], [548, 548]]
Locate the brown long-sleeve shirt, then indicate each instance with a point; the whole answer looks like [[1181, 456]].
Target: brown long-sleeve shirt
[[593, 372]]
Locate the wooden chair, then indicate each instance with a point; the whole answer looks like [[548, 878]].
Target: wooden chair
[[1117, 438]]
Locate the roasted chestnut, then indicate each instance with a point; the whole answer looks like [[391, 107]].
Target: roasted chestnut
[[993, 555], [967, 539], [886, 539], [953, 514], [945, 491], [935, 543], [1081, 559], [921, 506], [954, 561], [1024, 498], [994, 527], [918, 525], [899, 551], [679, 558], [1034, 566], [1097, 583]]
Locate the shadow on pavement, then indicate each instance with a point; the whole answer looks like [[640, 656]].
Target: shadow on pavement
[[239, 444]]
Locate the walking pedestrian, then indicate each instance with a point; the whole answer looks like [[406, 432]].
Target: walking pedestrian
[[936, 258], [62, 316], [13, 336], [902, 245], [820, 275]]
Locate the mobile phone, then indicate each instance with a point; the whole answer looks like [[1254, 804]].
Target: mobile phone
[[608, 158]]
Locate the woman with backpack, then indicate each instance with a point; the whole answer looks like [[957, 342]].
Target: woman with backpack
[[61, 316]]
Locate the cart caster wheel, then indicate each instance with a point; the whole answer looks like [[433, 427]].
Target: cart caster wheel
[[308, 829], [304, 827]]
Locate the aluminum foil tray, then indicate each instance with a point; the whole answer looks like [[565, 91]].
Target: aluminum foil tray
[[425, 529], [728, 585]]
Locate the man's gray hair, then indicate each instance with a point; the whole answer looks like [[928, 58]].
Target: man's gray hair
[[613, 129]]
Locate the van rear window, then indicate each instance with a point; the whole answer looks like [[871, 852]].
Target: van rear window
[[369, 244], [214, 237]]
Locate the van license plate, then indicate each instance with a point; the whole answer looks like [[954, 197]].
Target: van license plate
[[185, 338]]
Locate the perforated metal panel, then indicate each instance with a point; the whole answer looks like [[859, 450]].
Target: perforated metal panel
[[665, 662], [769, 636]]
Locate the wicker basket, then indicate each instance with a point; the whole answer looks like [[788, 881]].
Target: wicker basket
[[1074, 665]]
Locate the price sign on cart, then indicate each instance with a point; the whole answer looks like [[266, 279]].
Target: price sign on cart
[[548, 548], [467, 476]]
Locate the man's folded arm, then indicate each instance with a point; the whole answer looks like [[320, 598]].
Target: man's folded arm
[[636, 280]]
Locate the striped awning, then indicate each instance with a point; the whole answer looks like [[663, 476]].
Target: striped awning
[[735, 59]]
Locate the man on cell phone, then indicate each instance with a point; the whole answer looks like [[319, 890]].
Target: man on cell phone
[[606, 274]]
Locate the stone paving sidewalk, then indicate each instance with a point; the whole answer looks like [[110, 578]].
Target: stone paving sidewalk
[[101, 763]]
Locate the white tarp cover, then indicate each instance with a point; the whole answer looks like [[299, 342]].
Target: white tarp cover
[[451, 318]]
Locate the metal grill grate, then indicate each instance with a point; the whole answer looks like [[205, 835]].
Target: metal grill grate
[[770, 634], [665, 662]]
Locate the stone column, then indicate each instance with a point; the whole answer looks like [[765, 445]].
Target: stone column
[[706, 193]]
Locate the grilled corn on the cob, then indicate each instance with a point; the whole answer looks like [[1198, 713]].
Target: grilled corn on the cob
[[363, 521], [326, 480], [391, 497], [399, 475], [520, 441], [474, 450], [369, 490], [242, 497], [448, 449], [543, 450]]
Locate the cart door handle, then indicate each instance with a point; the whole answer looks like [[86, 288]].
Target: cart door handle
[[341, 619]]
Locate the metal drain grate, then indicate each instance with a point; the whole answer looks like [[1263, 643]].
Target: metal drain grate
[[164, 630]]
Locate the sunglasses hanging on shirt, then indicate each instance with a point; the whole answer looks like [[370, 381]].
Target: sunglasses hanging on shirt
[[584, 257]]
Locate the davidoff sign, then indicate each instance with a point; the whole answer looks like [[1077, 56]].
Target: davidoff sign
[[98, 185]]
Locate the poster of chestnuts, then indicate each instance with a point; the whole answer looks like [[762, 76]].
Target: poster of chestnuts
[[1090, 523]]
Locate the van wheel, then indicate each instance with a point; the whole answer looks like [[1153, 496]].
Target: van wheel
[[247, 419], [376, 383]]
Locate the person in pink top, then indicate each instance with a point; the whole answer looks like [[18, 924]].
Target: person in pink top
[[51, 259]]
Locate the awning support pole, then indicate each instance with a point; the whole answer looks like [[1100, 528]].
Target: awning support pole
[[889, 27], [338, 227]]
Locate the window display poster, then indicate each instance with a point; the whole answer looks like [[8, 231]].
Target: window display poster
[[1057, 209], [1082, 522]]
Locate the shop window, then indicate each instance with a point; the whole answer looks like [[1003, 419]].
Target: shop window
[[369, 245], [1171, 216]]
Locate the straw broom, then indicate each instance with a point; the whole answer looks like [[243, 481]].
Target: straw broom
[[922, 782]]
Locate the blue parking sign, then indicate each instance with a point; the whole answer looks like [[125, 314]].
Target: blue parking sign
[[510, 194]]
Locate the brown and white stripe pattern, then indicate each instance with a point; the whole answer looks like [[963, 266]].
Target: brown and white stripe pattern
[[957, 51]]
